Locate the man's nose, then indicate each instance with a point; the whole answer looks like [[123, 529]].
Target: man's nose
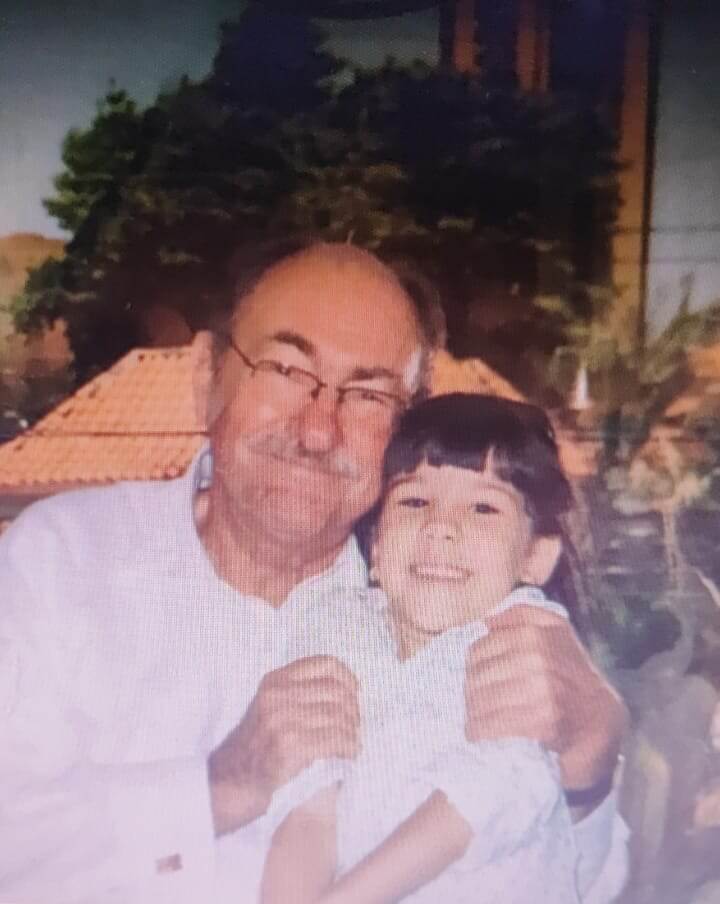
[[319, 423]]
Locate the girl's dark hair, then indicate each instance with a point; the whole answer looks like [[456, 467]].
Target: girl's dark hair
[[469, 430], [465, 429]]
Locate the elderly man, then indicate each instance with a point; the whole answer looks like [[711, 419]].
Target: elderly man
[[148, 713]]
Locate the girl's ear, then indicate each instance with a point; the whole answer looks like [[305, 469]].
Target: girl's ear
[[543, 556], [373, 579]]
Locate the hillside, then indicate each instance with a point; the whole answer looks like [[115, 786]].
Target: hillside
[[20, 355], [20, 251]]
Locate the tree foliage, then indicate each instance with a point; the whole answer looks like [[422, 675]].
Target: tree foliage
[[500, 197]]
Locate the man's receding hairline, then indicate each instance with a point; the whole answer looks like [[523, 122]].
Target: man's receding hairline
[[340, 255], [401, 274]]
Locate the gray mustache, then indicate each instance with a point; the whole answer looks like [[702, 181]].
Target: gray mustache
[[334, 463]]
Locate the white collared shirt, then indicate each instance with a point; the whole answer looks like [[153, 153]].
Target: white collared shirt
[[124, 660]]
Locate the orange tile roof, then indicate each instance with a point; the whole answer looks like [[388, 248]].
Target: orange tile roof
[[469, 375], [136, 421], [578, 452]]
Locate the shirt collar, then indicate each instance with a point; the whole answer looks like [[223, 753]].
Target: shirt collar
[[348, 572], [200, 470]]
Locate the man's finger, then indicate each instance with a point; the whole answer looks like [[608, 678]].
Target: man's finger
[[314, 667], [520, 615], [505, 691], [329, 713], [329, 743], [486, 665], [318, 742], [323, 693], [556, 641], [519, 721], [325, 687]]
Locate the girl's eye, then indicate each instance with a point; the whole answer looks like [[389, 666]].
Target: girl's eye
[[413, 502], [484, 508]]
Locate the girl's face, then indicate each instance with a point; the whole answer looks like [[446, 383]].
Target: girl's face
[[452, 543]]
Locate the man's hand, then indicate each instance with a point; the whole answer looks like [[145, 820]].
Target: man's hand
[[304, 711], [531, 678]]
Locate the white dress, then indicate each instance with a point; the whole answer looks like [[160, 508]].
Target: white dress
[[413, 742]]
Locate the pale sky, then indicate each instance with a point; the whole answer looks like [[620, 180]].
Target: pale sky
[[57, 58]]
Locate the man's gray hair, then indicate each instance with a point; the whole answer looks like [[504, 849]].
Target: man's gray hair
[[253, 260]]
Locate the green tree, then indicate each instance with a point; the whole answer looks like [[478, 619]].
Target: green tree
[[488, 190], [97, 160], [506, 198]]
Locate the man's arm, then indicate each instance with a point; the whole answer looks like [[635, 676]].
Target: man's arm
[[531, 677], [603, 859], [73, 828]]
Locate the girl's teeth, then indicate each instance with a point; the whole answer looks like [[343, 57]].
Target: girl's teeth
[[440, 572]]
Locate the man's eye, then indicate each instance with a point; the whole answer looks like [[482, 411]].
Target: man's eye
[[484, 508], [413, 502], [275, 366], [355, 394], [288, 371]]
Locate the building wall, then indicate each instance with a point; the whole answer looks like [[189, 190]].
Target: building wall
[[684, 257]]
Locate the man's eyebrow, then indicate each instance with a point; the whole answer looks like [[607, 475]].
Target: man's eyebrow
[[372, 373], [295, 339], [304, 345]]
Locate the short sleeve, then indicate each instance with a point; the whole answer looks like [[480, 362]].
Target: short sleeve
[[508, 791], [302, 788]]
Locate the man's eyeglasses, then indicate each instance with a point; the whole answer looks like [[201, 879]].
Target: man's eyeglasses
[[296, 384]]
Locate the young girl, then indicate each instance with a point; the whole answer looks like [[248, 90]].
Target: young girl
[[468, 525]]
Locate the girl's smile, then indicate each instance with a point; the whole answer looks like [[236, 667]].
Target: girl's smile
[[451, 544]]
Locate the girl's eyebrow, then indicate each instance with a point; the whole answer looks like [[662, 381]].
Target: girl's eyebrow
[[402, 479], [500, 486]]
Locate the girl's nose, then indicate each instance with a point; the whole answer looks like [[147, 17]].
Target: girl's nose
[[441, 528]]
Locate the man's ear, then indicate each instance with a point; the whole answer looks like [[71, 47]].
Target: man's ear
[[204, 382], [543, 556]]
